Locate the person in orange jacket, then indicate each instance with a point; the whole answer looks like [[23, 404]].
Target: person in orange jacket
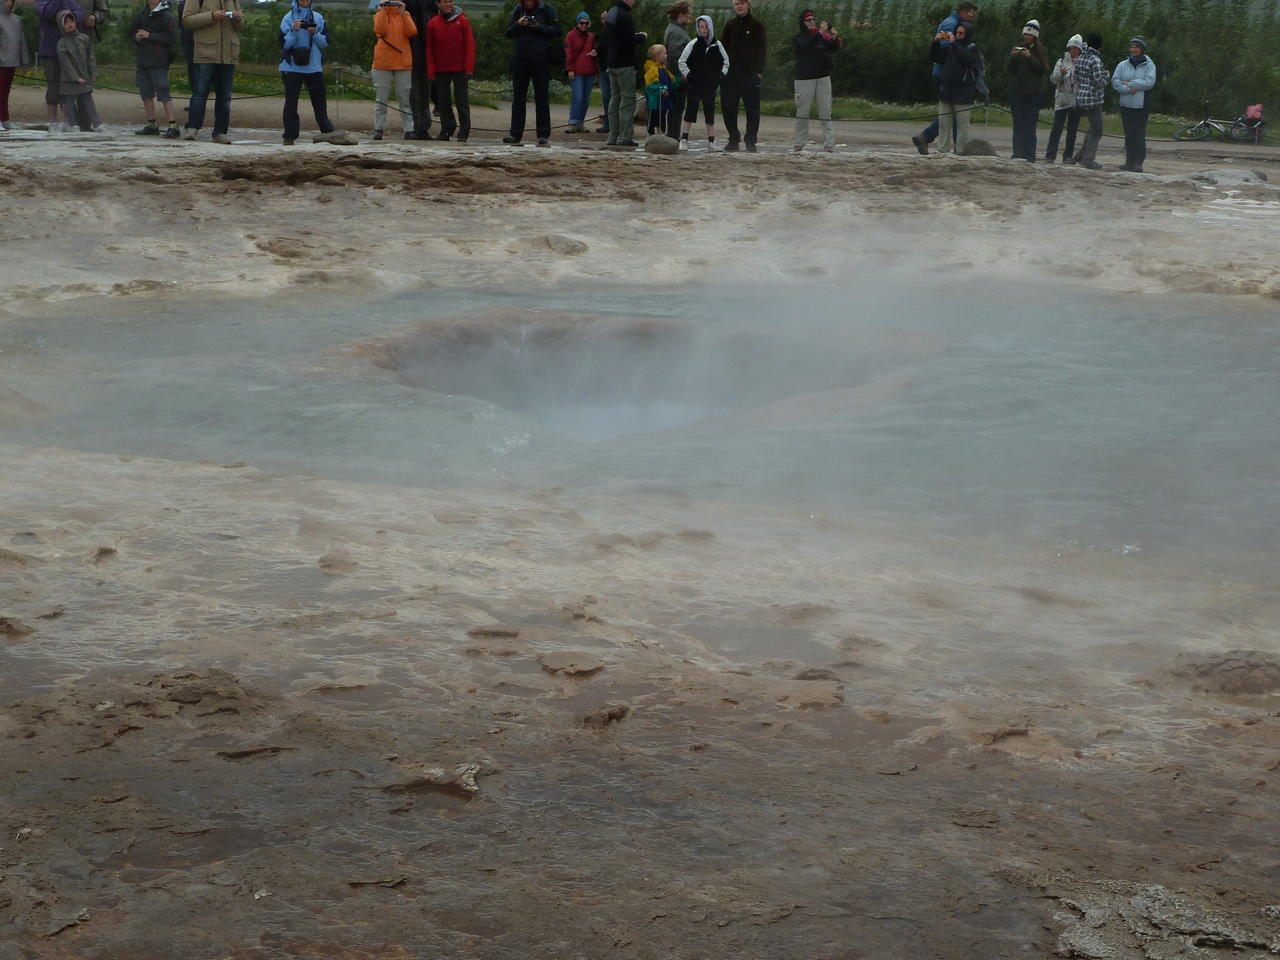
[[393, 61], [451, 59]]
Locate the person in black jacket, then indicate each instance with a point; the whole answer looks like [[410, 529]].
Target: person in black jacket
[[420, 86], [154, 32], [962, 67], [620, 39], [534, 26], [703, 63], [744, 40], [814, 45]]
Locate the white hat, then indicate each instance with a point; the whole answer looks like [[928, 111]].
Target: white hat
[[1077, 41], [1032, 27]]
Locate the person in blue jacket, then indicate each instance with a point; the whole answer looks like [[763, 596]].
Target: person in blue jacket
[[1132, 79], [304, 39]]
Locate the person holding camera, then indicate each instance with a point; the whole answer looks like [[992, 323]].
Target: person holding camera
[[451, 59], [305, 38], [961, 62], [814, 45], [1027, 66], [534, 26], [1062, 78], [421, 91], [154, 33], [393, 63], [216, 26], [621, 37], [966, 12]]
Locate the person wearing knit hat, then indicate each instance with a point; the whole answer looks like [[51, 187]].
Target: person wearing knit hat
[[1062, 77], [580, 63], [1027, 66], [814, 45], [1090, 86], [1133, 78]]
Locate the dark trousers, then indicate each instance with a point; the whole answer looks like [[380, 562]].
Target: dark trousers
[[1135, 135], [745, 88], [539, 72], [1071, 120], [451, 90], [6, 81], [1089, 152], [218, 77], [1025, 108], [420, 99], [660, 119], [705, 98], [676, 114], [293, 84]]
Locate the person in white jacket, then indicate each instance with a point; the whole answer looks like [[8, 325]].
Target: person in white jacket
[[1062, 77], [703, 62], [1133, 78]]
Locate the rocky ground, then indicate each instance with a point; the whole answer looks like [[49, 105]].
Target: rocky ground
[[246, 715]]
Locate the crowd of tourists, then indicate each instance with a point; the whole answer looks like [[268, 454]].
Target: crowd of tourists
[[425, 53], [1078, 80]]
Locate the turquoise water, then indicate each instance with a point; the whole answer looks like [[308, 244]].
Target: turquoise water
[[1141, 426]]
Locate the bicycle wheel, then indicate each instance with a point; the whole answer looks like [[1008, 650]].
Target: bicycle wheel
[[1248, 132], [1194, 131]]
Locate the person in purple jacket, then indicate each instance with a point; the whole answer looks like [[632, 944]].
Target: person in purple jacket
[[48, 11]]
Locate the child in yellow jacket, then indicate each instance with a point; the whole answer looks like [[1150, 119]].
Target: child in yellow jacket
[[659, 81]]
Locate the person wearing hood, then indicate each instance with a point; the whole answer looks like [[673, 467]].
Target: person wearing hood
[[580, 56], [747, 47], [1090, 85], [966, 12], [961, 62], [154, 33], [703, 62], [47, 12], [77, 67], [1064, 100], [621, 37], [675, 38], [216, 26], [451, 58], [1027, 66], [814, 45], [393, 64], [1133, 77], [305, 39], [533, 25], [420, 86], [13, 54]]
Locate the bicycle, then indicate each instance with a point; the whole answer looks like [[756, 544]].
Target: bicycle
[[1248, 127]]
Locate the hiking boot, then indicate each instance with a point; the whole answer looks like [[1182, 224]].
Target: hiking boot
[[797, 149], [544, 142], [220, 138], [289, 143], [443, 137], [424, 135], [751, 148], [189, 133], [1066, 161], [173, 133], [601, 129], [1091, 164], [731, 146], [462, 139], [150, 130], [377, 134], [922, 145], [626, 143], [511, 139]]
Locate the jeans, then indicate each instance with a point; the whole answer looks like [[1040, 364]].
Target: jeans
[[622, 105], [1089, 152], [216, 77], [742, 87], [451, 91], [382, 80], [806, 92], [1025, 108], [1067, 117], [581, 88], [539, 72], [293, 83], [1135, 135]]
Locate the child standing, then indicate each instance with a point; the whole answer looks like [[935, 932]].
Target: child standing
[[702, 64], [154, 32], [13, 54], [77, 66], [659, 82]]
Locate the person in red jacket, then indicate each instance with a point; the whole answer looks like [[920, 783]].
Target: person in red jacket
[[580, 56], [451, 59]]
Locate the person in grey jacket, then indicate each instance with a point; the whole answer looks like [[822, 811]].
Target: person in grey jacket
[[1132, 79], [1062, 76], [675, 38], [77, 68], [13, 54], [47, 50]]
